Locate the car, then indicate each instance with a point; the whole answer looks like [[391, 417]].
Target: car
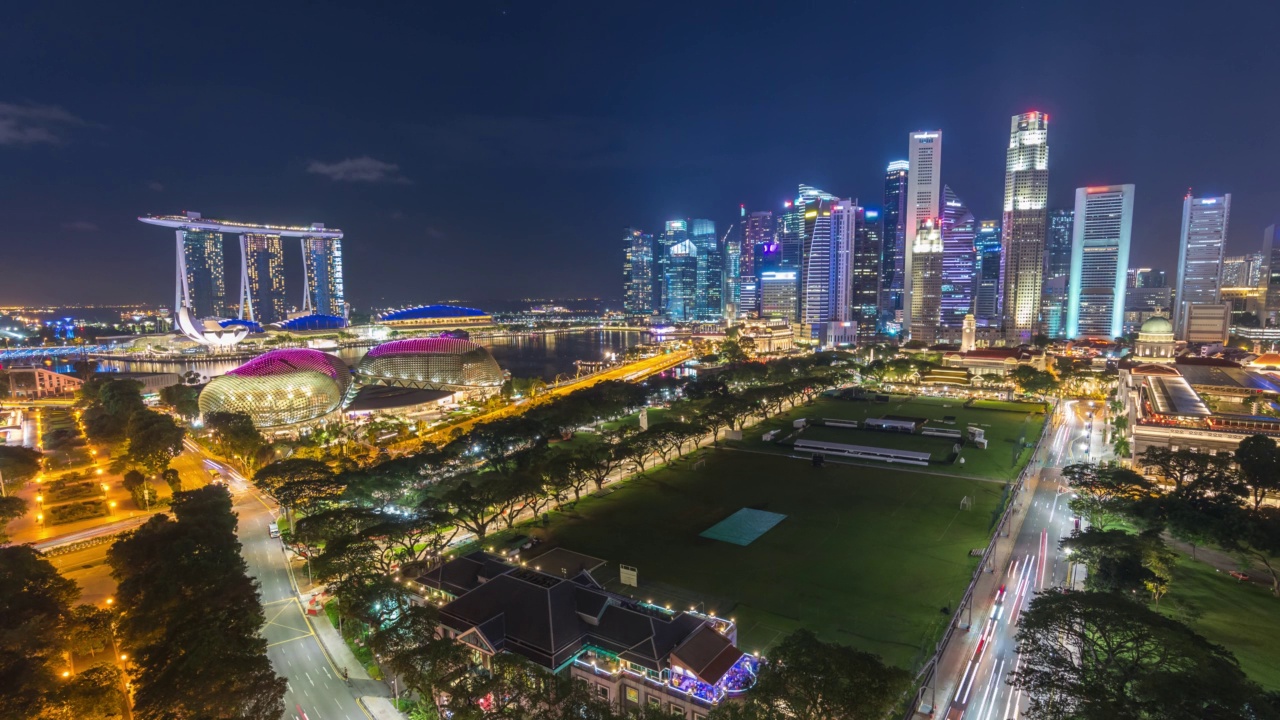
[[273, 530], [215, 478]]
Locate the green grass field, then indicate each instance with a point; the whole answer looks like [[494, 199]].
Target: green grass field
[[1242, 617], [1003, 429], [938, 448], [865, 557]]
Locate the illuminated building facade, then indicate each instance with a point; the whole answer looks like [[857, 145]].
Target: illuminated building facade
[[1099, 260], [322, 259], [680, 282], [432, 363], [865, 265], [819, 251], [262, 298], [731, 251], [439, 317], [894, 239], [1026, 195], [757, 231], [1271, 275], [281, 387], [957, 260], [709, 295], [987, 264], [1200, 252], [637, 272], [778, 294], [924, 196], [203, 274], [925, 291], [1057, 268], [675, 232]]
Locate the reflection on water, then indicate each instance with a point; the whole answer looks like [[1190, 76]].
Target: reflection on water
[[544, 356]]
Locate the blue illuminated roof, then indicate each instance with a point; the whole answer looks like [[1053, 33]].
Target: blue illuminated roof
[[312, 322], [254, 327], [431, 312]]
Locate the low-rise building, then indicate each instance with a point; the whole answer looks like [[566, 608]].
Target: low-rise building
[[994, 361], [30, 383], [632, 654]]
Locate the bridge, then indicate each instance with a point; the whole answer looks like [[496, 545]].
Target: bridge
[[39, 353]]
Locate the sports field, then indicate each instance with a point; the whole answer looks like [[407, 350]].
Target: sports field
[[1004, 424], [865, 556]]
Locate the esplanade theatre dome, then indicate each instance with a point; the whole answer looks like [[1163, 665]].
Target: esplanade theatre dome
[[280, 387], [436, 363]]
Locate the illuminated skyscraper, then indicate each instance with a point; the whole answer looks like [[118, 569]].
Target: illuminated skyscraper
[[924, 195], [204, 280], [637, 272], [957, 260], [778, 294], [894, 238], [1099, 261], [710, 293], [262, 296], [1200, 252], [676, 232], [926, 281], [757, 230], [731, 247], [845, 216], [864, 293], [322, 258], [680, 281], [986, 248], [818, 272], [1026, 194], [1057, 249]]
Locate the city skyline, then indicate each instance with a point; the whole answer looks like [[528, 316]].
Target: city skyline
[[89, 150]]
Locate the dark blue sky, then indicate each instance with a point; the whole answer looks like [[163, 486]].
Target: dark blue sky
[[491, 149]]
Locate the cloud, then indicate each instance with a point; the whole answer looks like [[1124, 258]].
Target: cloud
[[80, 226], [156, 186], [31, 124], [361, 169]]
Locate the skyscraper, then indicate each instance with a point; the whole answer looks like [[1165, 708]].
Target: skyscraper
[[986, 301], [731, 247], [865, 279], [322, 261], [1026, 194], [637, 272], [778, 294], [757, 230], [844, 228], [676, 232], [957, 259], [894, 238], [818, 271], [205, 278], [925, 292], [1200, 252], [262, 297], [1235, 271], [924, 194], [710, 293], [1099, 260], [680, 281], [1271, 275], [1057, 249]]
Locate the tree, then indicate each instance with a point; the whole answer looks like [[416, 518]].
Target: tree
[[182, 398], [154, 440], [1256, 537], [1121, 562], [89, 630], [93, 694], [1104, 494], [1089, 655], [475, 504], [1032, 381], [12, 507], [194, 615], [37, 609], [1259, 461], [18, 463], [1184, 465], [427, 663], [172, 479], [1041, 341], [807, 679], [234, 434]]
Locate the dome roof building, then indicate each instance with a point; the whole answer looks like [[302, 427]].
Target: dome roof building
[[281, 387], [432, 316], [1155, 341], [434, 363]]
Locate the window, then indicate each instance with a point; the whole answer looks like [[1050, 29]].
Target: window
[[676, 709], [655, 702], [633, 695], [602, 691]]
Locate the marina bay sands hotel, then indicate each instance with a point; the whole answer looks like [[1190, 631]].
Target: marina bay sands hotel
[[201, 276]]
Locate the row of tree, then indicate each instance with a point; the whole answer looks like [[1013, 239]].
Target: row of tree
[[114, 413], [190, 615]]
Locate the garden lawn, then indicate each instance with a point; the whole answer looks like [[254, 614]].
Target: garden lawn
[[865, 557], [1003, 429], [1240, 616]]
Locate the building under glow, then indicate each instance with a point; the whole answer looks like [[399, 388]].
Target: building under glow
[[894, 239], [757, 231], [957, 260], [1099, 261], [202, 274], [865, 280], [1026, 195], [432, 363], [926, 281], [987, 264], [322, 259], [637, 272], [281, 387], [924, 196], [680, 282], [1200, 251]]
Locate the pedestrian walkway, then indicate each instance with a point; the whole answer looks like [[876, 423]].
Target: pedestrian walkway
[[381, 708]]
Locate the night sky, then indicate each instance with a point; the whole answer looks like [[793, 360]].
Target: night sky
[[484, 150]]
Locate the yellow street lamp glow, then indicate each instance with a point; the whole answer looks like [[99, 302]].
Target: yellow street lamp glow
[[39, 498], [110, 600], [124, 656], [99, 471], [66, 673], [104, 487], [112, 503], [39, 517]]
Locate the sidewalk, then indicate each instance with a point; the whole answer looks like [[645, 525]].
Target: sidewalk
[[375, 695]]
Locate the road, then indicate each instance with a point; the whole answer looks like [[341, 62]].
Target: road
[[981, 691], [315, 684], [630, 372]]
